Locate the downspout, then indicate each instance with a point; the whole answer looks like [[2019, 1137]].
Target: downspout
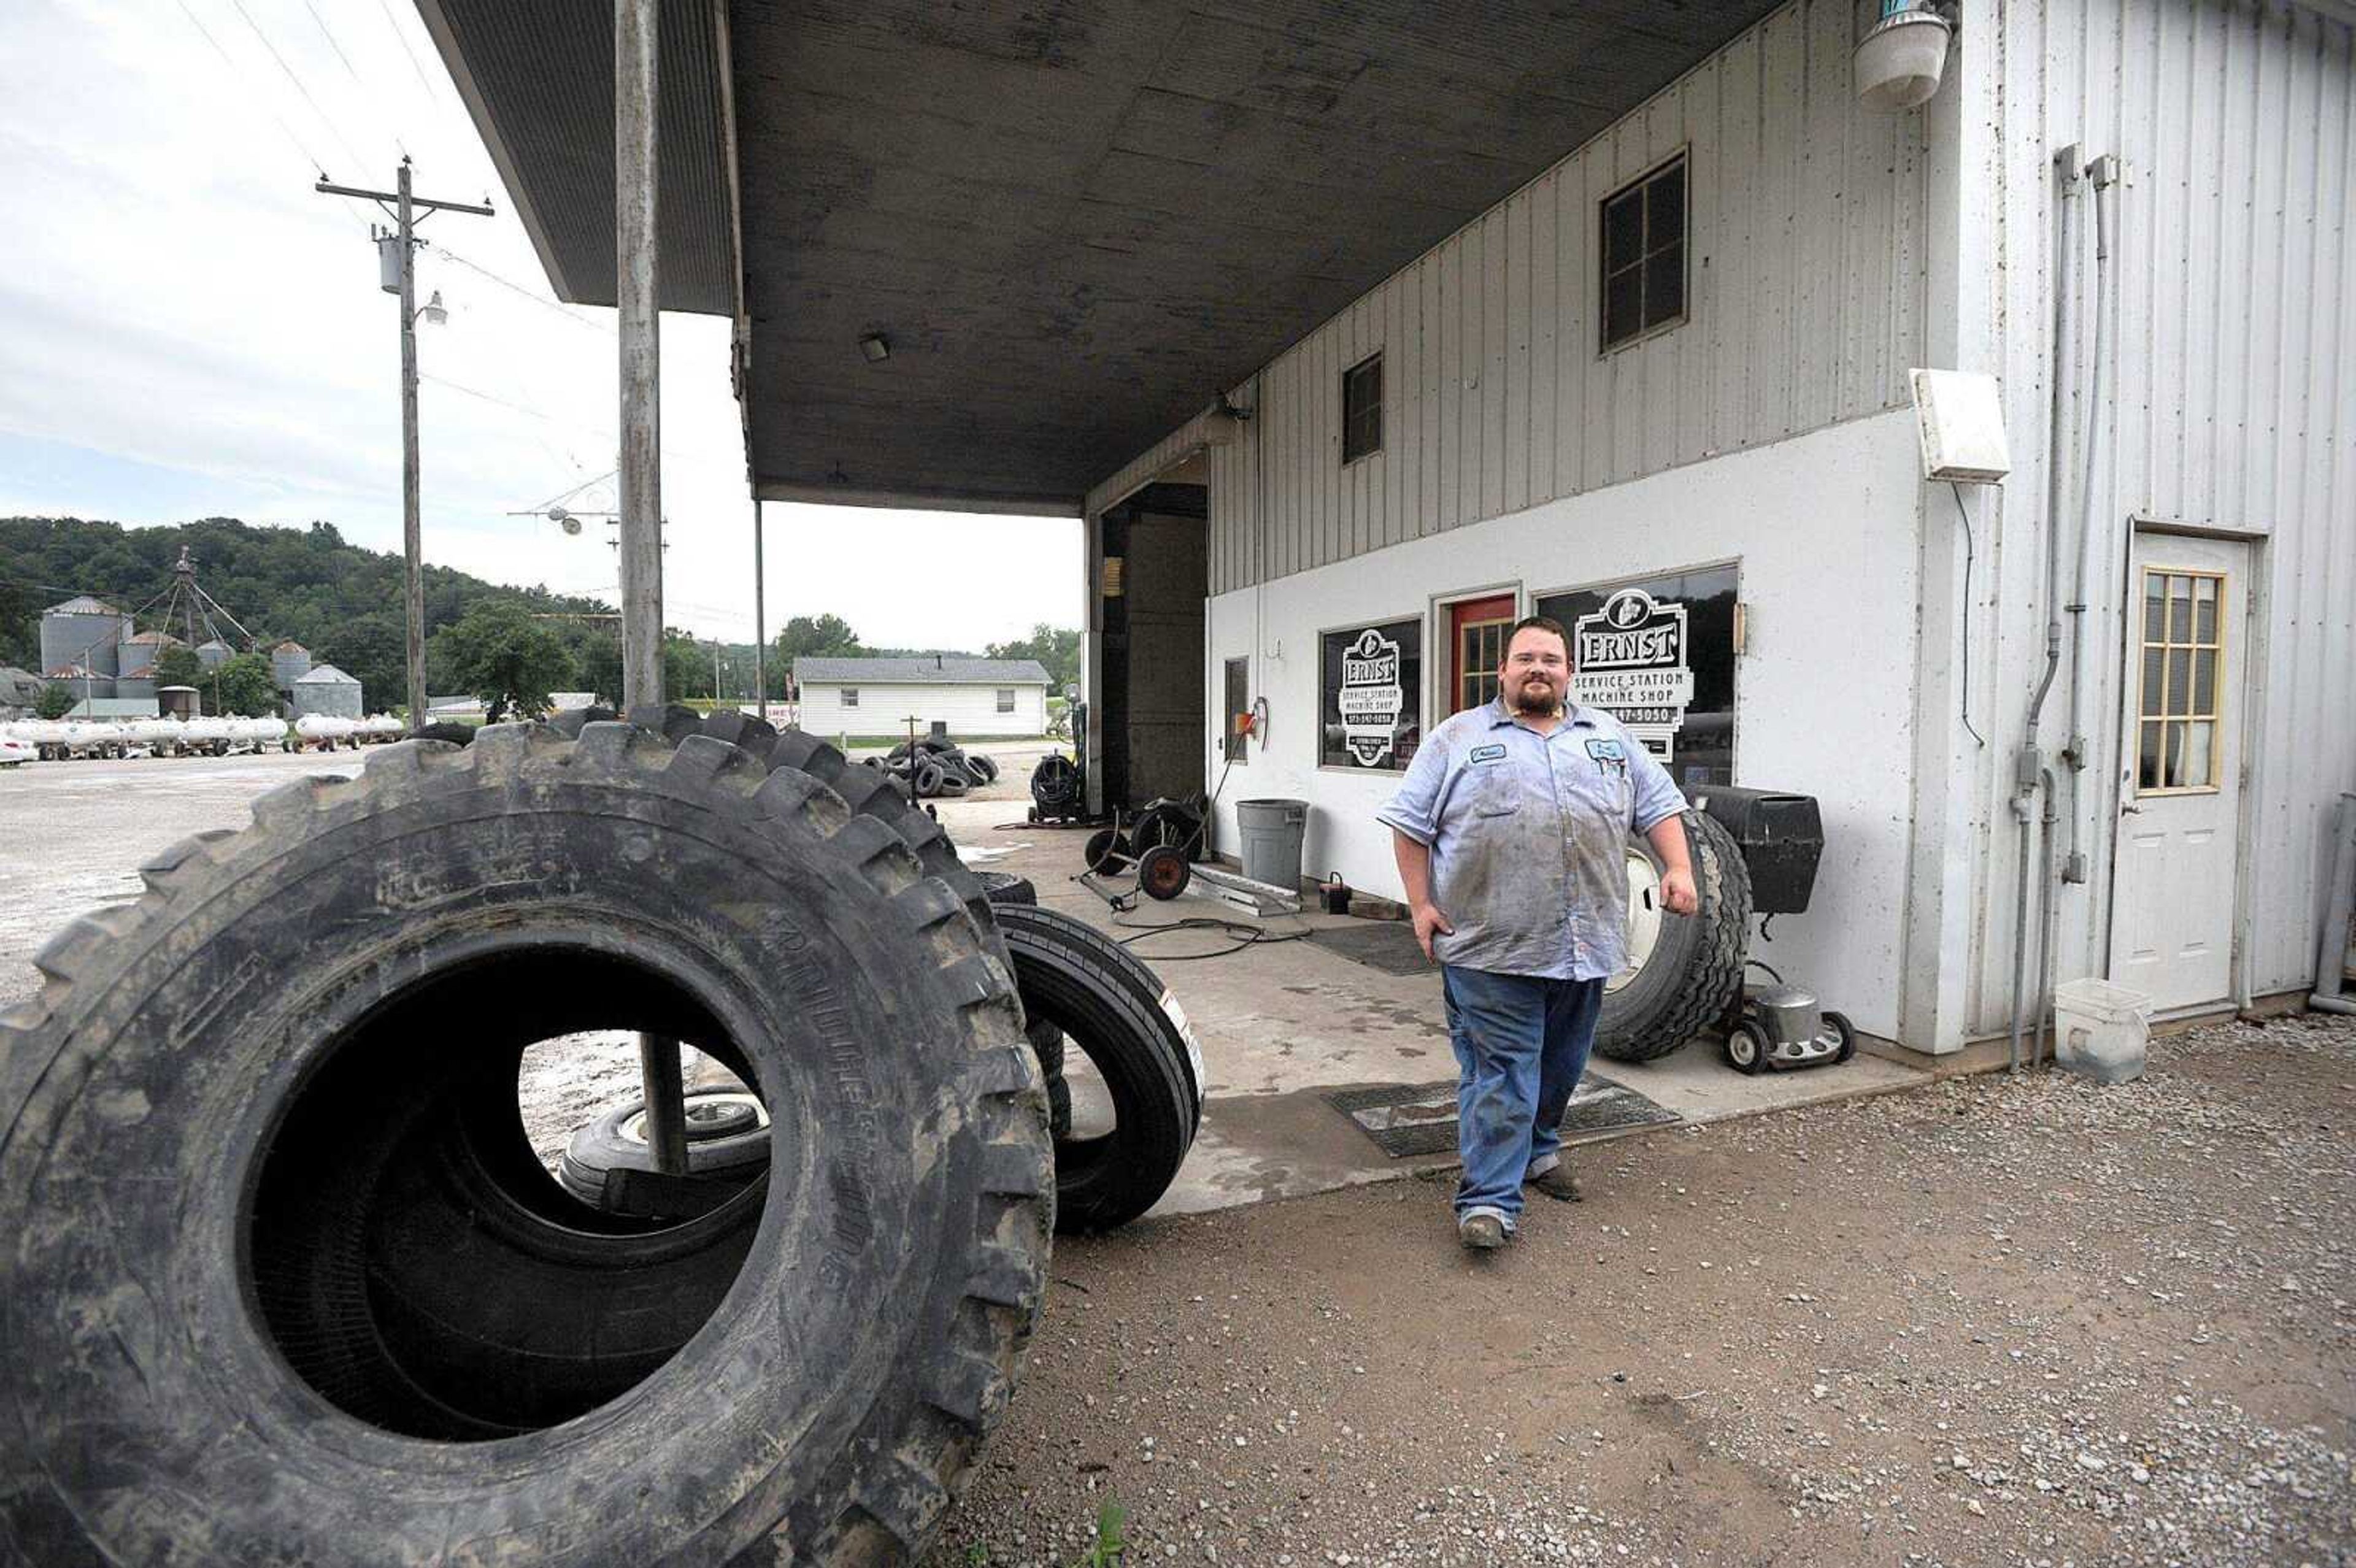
[[2028, 765], [2104, 173], [2046, 919]]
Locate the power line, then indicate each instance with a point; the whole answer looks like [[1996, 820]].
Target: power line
[[515, 288], [301, 147], [332, 129], [403, 38]]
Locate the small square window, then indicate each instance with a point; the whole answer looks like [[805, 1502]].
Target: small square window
[[1361, 409], [1643, 282], [851, 697], [1006, 699]]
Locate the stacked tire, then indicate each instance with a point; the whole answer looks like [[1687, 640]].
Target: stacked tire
[[934, 766], [286, 1283]]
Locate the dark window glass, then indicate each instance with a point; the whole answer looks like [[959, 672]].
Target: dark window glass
[[1239, 702], [1666, 671], [851, 697], [1643, 281], [1361, 409], [1370, 685]]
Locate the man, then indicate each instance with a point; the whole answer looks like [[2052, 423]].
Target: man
[[1511, 829]]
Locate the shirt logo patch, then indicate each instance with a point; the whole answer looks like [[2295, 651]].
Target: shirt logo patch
[[1611, 758], [1486, 754]]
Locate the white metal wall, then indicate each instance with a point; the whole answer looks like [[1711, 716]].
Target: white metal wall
[[2233, 407], [1806, 232], [884, 709]]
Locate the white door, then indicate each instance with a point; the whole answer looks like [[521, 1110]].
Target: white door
[[2181, 780]]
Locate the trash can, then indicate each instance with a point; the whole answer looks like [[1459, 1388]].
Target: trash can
[[2101, 1029], [1271, 831]]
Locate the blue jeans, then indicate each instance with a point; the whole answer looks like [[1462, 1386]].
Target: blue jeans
[[1521, 1045]]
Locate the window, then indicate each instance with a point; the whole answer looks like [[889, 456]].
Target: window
[[851, 697], [2183, 650], [1238, 703], [1361, 409], [1371, 696], [1006, 699], [1644, 255]]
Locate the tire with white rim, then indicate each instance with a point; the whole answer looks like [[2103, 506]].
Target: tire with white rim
[[1684, 972]]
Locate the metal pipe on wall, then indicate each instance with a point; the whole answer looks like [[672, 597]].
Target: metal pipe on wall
[[2028, 762], [2104, 173], [637, 209], [2340, 907]]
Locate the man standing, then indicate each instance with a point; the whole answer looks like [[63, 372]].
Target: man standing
[[1511, 828]]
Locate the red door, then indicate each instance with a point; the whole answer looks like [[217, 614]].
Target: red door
[[1476, 648]]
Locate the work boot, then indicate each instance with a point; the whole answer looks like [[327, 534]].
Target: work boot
[[1556, 1182], [1481, 1233]]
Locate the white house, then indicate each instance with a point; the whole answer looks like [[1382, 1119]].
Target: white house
[[877, 698]]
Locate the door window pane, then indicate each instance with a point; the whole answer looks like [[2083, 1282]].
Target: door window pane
[[2182, 656]]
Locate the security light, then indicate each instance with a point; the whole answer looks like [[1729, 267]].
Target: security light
[[433, 313]]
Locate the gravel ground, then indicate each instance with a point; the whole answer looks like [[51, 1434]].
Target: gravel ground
[[2001, 1321]]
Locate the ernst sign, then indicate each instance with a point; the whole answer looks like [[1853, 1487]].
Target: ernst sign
[[1371, 697], [1631, 661]]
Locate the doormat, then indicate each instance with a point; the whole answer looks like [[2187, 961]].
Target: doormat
[[1388, 945], [1411, 1119]]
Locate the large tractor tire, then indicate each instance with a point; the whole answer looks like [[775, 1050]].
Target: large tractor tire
[[283, 1281], [1684, 972]]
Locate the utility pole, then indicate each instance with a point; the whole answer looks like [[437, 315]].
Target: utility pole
[[760, 623], [396, 255]]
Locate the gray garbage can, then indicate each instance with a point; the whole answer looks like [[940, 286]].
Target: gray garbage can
[[1271, 831]]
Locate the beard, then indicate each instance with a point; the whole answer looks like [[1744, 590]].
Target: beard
[[1536, 699]]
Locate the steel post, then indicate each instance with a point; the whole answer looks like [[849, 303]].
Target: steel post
[[637, 205]]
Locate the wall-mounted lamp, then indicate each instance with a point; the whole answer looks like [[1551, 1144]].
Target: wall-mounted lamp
[[1900, 56], [873, 347]]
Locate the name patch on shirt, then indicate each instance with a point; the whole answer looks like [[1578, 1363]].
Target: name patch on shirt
[[1486, 754], [1610, 755]]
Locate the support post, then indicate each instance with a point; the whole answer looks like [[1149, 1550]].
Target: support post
[[637, 208], [760, 621], [413, 542]]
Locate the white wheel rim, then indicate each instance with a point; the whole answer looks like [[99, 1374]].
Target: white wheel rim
[[1742, 1047], [1643, 919], [633, 1129]]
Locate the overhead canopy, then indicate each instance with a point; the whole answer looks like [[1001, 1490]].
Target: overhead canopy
[[1073, 224]]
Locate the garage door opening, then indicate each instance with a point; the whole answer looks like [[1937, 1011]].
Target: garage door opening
[[1153, 580]]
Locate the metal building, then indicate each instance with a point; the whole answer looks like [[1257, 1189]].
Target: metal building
[[290, 661], [1378, 333], [82, 630], [327, 691]]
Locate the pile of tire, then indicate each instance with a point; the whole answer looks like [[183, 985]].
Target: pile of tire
[[1078, 989], [1684, 972], [1056, 789], [286, 1282], [936, 767]]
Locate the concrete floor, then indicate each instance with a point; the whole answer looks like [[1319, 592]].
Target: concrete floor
[[1281, 1025]]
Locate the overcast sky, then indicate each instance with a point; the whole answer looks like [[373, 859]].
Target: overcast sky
[[187, 329]]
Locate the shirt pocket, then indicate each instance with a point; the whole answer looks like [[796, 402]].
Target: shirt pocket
[[1496, 795]]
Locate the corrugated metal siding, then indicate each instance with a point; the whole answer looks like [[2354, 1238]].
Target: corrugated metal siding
[[2234, 378], [1807, 232]]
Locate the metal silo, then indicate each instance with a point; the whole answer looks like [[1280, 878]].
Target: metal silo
[[82, 630], [328, 692], [290, 661]]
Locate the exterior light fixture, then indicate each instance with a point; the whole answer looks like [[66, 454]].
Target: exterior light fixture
[[1902, 57], [433, 313], [873, 347]]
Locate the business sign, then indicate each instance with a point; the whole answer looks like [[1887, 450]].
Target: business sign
[[1371, 677], [1631, 661], [1371, 697]]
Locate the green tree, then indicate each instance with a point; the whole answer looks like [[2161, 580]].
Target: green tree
[[57, 700], [244, 686], [180, 666], [1057, 647], [597, 668], [498, 652], [686, 666]]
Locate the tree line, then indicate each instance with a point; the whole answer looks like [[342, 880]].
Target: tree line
[[510, 647]]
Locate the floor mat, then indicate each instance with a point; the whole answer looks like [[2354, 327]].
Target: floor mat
[[1414, 1119], [1388, 945]]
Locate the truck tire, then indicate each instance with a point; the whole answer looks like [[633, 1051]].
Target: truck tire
[[1006, 888], [727, 1135], [1082, 984], [260, 1127], [1684, 971]]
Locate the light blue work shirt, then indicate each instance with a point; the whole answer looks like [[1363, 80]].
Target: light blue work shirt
[[1529, 835]]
